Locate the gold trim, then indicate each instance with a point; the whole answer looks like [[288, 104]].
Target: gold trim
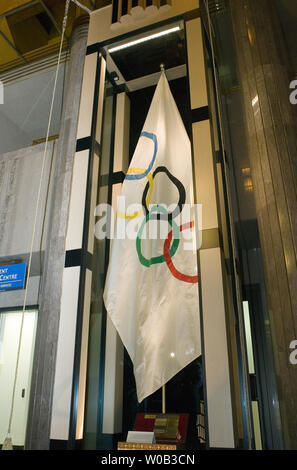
[[33, 56], [141, 446], [43, 139], [211, 238]]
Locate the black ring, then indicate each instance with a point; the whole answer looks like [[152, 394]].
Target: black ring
[[182, 196]]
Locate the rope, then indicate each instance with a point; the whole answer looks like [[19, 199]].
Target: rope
[[36, 215], [83, 7]]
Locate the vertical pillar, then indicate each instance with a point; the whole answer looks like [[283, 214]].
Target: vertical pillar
[[271, 129], [80, 235], [114, 350], [216, 354], [93, 137], [44, 367]]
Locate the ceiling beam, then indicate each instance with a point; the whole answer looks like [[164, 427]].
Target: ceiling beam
[[13, 47], [18, 9], [51, 16]]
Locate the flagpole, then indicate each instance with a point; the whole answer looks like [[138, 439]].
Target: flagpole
[[163, 400], [162, 67]]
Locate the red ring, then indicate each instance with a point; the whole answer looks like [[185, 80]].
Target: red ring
[[178, 275]]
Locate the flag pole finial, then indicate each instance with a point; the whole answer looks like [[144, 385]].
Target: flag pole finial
[[162, 67]]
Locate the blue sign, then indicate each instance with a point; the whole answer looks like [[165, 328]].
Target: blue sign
[[13, 276]]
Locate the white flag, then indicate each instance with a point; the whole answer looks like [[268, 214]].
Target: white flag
[[151, 291]]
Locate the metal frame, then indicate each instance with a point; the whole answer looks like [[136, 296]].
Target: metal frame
[[13, 47], [51, 16], [99, 48], [198, 266], [18, 309], [106, 261], [267, 394], [233, 273], [21, 8], [93, 145]]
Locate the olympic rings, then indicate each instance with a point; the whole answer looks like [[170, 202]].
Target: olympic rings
[[124, 215], [182, 196], [139, 176], [157, 259], [158, 212], [168, 257]]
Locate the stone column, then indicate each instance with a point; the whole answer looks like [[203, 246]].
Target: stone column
[[39, 419], [271, 129]]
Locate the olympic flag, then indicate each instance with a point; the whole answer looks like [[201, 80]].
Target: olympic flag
[[151, 291]]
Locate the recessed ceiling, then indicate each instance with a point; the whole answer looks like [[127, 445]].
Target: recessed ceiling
[[138, 66], [31, 30], [145, 59]]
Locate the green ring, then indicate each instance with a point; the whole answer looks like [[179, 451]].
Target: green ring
[[157, 259]]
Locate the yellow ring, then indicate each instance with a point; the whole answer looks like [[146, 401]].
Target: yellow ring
[[124, 215]]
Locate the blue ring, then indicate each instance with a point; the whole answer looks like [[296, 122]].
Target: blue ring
[[140, 176]]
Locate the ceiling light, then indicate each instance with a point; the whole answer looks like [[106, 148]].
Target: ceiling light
[[146, 38]]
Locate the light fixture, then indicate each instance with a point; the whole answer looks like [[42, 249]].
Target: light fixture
[[114, 76], [246, 171], [248, 185], [255, 100], [145, 39]]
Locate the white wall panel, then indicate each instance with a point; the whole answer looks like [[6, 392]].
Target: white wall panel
[[100, 100], [84, 356], [65, 355], [220, 418], [77, 201], [87, 97], [94, 193], [204, 169], [20, 173], [197, 78], [113, 383], [122, 134]]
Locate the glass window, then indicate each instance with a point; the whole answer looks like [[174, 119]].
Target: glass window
[[24, 113], [249, 260]]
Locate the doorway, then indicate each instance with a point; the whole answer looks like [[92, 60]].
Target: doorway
[[10, 326]]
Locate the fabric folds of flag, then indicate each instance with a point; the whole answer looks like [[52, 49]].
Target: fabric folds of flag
[[151, 291]]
